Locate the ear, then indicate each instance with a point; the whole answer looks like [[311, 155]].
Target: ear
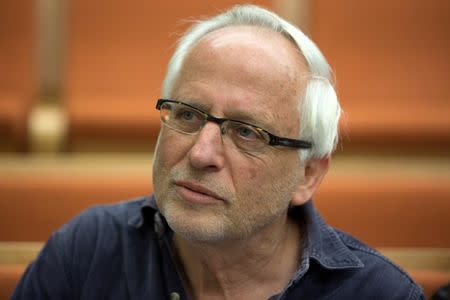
[[314, 172]]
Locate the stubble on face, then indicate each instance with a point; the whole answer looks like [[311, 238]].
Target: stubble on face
[[233, 219], [193, 222]]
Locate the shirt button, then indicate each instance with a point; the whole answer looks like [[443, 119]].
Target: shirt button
[[174, 296]]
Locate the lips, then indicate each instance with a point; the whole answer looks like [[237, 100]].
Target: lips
[[196, 193]]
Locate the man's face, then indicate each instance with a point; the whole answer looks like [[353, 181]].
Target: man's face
[[206, 187]]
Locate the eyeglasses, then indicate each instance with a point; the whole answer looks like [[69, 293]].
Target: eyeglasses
[[187, 119]]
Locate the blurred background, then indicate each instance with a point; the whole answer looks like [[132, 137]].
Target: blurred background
[[79, 81]]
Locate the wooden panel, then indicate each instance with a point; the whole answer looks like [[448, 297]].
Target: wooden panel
[[32, 207], [430, 280], [9, 276], [392, 68], [389, 210], [17, 71]]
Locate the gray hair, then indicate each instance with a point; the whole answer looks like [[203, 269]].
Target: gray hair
[[319, 109]]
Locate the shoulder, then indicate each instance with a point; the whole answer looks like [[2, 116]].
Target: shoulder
[[96, 235], [91, 245], [100, 238], [99, 222], [381, 273], [117, 213]]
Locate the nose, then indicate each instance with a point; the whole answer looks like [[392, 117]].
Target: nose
[[208, 151]]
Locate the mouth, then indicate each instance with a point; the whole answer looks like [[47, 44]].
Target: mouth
[[196, 193]]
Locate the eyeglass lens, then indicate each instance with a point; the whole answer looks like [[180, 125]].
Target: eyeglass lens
[[186, 119]]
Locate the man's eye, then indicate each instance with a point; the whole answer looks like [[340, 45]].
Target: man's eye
[[247, 133], [186, 115]]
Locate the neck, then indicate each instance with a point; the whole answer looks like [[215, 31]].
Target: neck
[[255, 268]]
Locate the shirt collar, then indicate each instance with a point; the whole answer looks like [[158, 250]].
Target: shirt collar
[[322, 243], [147, 209]]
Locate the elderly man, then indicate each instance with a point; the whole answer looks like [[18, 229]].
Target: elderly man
[[249, 119]]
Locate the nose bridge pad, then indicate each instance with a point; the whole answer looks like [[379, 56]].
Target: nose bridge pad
[[223, 130]]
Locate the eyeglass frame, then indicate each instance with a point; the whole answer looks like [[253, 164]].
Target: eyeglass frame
[[274, 139]]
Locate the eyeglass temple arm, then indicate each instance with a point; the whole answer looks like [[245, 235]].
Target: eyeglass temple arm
[[275, 140]]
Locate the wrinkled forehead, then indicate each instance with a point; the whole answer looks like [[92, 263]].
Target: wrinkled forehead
[[279, 52], [250, 54]]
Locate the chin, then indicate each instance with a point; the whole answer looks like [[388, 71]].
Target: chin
[[195, 226], [198, 234], [201, 223], [195, 229]]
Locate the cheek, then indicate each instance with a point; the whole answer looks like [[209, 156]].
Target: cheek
[[252, 176], [253, 173], [280, 171], [165, 152], [165, 158], [257, 171]]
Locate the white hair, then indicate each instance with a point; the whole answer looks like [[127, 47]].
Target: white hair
[[319, 107]]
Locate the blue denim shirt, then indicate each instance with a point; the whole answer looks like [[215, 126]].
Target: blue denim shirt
[[123, 251]]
